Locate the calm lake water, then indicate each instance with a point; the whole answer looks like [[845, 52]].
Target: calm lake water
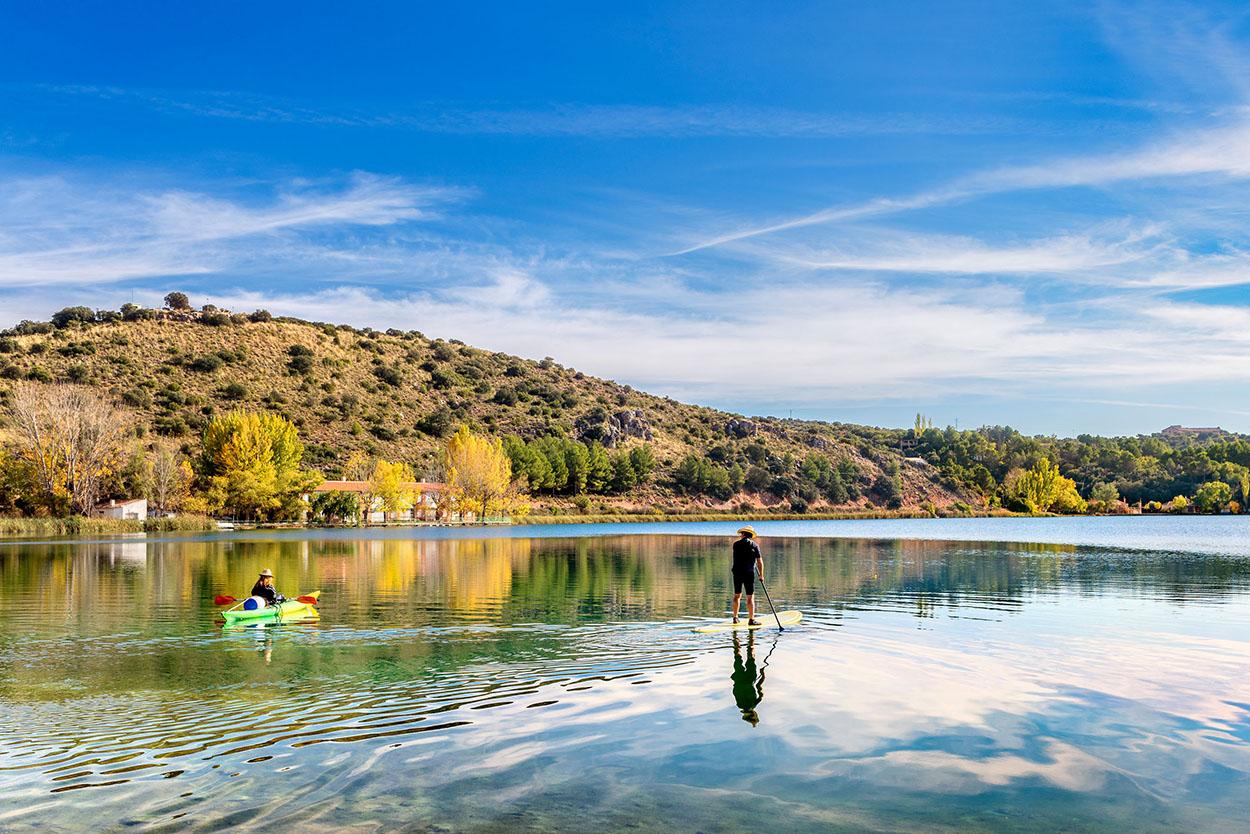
[[548, 679]]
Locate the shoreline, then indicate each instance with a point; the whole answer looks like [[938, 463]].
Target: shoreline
[[13, 529]]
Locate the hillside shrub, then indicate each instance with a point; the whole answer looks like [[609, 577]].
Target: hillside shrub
[[214, 318], [32, 328], [382, 433], [137, 398], [133, 312], [234, 391], [70, 315], [300, 363], [437, 423], [170, 426], [388, 375], [205, 364], [77, 349], [443, 380]]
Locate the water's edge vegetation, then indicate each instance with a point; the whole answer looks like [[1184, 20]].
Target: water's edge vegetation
[[83, 526]]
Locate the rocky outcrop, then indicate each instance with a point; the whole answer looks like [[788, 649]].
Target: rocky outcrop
[[741, 428], [613, 429]]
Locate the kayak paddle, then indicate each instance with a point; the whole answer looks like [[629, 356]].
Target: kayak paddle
[[224, 599]]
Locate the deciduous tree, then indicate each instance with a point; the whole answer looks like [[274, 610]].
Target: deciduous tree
[[479, 474], [392, 484], [252, 465], [1213, 496], [1041, 489], [169, 479], [70, 437]]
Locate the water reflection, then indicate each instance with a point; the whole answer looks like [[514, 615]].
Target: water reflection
[[557, 685], [748, 683]]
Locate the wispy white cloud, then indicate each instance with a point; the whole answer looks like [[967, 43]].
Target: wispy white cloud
[[1221, 152], [57, 230], [553, 120], [892, 251], [778, 336]]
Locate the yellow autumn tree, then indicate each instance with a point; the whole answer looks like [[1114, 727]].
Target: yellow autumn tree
[[392, 484], [252, 465], [479, 475], [1041, 489]]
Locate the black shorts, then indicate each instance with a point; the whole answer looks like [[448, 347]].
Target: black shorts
[[746, 580]]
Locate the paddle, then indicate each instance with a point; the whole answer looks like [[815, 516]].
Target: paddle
[[780, 627], [224, 599]]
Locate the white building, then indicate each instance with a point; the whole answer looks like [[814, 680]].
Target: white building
[[136, 508]]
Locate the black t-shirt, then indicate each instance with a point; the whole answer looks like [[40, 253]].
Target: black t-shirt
[[266, 592], [746, 551]]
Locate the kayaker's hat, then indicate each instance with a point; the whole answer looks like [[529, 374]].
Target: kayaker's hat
[[266, 572], [747, 531]]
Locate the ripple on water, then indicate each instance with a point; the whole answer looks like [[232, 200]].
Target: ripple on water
[[557, 685], [75, 742]]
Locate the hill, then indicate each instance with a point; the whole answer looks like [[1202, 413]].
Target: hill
[[397, 394]]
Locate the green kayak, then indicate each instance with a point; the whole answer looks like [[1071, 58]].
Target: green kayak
[[281, 611]]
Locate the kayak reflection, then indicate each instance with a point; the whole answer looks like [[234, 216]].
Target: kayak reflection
[[748, 681]]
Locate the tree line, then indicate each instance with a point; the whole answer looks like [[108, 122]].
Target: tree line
[[562, 466], [1015, 471], [68, 448]]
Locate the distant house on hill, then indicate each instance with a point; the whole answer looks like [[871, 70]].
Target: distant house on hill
[[426, 508], [1195, 432], [133, 508]]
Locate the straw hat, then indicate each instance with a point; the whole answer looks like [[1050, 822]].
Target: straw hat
[[747, 531], [266, 572]]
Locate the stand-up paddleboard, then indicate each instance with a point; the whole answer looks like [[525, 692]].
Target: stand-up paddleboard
[[788, 618]]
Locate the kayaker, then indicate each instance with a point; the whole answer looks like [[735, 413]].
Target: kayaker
[[265, 590], [747, 559]]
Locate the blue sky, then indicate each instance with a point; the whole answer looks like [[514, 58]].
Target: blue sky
[[988, 212]]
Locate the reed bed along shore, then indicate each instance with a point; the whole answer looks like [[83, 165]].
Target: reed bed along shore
[[80, 525], [625, 518]]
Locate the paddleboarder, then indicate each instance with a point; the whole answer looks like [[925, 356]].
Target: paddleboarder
[[747, 560], [265, 590]]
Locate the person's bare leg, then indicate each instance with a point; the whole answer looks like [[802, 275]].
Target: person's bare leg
[[737, 600], [750, 607]]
